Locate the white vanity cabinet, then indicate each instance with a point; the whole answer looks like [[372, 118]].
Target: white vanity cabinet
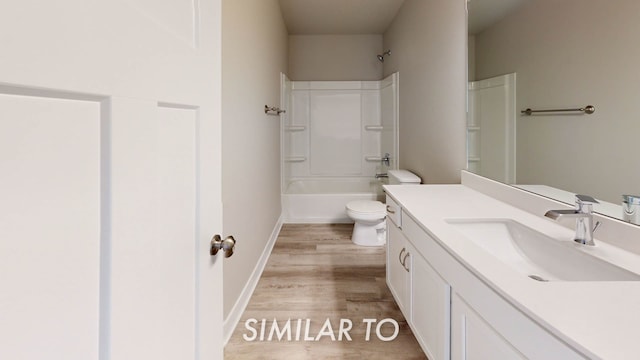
[[486, 326], [398, 275], [430, 307], [422, 295], [453, 314], [472, 338]]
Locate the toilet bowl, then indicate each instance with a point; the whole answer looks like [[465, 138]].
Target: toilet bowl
[[369, 228], [369, 216]]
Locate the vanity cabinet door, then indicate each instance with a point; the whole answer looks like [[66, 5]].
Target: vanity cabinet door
[[397, 271], [474, 339], [431, 305]]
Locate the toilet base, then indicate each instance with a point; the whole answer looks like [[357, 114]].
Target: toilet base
[[367, 234]]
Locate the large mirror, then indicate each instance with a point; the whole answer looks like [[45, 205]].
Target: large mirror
[[557, 55]]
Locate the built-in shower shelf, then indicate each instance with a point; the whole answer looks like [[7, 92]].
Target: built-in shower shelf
[[294, 128], [295, 159], [474, 159], [373, 158], [374, 127], [473, 128]]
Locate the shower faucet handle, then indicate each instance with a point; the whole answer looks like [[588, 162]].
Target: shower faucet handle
[[386, 159]]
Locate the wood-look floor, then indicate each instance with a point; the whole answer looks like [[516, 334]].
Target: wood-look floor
[[315, 272]]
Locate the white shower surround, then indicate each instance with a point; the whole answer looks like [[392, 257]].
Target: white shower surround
[[334, 135]]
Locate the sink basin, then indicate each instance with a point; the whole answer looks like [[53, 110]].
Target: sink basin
[[537, 255]]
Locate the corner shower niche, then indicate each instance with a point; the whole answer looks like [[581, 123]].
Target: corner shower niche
[[335, 134]]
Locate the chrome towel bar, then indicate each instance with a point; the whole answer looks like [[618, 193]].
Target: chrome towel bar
[[276, 110], [589, 109]]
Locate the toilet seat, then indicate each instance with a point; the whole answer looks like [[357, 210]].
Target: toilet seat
[[368, 208]]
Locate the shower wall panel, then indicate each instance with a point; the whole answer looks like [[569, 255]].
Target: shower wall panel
[[329, 130], [339, 129], [389, 115], [335, 143], [371, 125]]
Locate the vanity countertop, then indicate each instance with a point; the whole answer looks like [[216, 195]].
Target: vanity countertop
[[599, 319]]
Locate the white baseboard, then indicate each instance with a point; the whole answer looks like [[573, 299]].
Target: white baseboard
[[243, 300], [317, 221]]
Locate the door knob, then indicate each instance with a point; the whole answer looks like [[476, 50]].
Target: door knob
[[227, 245]]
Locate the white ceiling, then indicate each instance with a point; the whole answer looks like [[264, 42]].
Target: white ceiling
[[321, 17]]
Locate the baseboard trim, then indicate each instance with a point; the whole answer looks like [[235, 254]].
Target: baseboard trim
[[236, 312], [317, 221]]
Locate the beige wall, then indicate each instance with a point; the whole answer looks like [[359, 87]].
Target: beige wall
[[568, 54], [335, 57], [254, 51], [428, 41]]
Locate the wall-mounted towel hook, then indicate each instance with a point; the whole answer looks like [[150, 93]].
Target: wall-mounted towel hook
[[276, 110]]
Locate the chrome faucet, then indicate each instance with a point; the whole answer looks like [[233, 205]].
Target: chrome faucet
[[583, 213], [386, 159]]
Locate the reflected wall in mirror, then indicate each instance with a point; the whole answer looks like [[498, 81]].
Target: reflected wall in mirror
[[568, 54]]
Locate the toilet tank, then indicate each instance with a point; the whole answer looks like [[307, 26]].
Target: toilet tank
[[401, 177]]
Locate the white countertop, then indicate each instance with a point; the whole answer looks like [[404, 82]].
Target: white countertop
[[599, 319]]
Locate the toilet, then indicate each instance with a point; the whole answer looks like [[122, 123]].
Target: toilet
[[369, 215]]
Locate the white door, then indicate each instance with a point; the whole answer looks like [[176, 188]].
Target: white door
[[110, 179]]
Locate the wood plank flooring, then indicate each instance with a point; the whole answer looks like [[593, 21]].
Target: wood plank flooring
[[315, 272]]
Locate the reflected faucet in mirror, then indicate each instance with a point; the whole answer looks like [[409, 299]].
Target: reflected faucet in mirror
[[631, 208], [583, 213]]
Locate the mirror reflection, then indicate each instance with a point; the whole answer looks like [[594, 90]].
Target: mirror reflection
[[548, 55]]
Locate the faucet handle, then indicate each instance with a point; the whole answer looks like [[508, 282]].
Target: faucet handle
[[586, 199], [386, 158], [584, 203]]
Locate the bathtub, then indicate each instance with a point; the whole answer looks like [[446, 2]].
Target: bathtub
[[324, 200]]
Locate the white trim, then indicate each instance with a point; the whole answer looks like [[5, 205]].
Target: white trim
[[318, 220], [236, 312]]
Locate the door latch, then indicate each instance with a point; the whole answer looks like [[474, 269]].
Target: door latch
[[227, 245]]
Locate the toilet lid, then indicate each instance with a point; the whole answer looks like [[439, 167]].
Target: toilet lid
[[366, 206]]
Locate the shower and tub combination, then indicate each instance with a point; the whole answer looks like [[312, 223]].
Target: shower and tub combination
[[339, 137]]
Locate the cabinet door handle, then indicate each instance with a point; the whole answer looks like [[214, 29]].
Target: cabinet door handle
[[389, 210], [400, 256], [404, 261]]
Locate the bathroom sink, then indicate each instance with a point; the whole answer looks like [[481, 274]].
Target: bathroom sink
[[537, 255]]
